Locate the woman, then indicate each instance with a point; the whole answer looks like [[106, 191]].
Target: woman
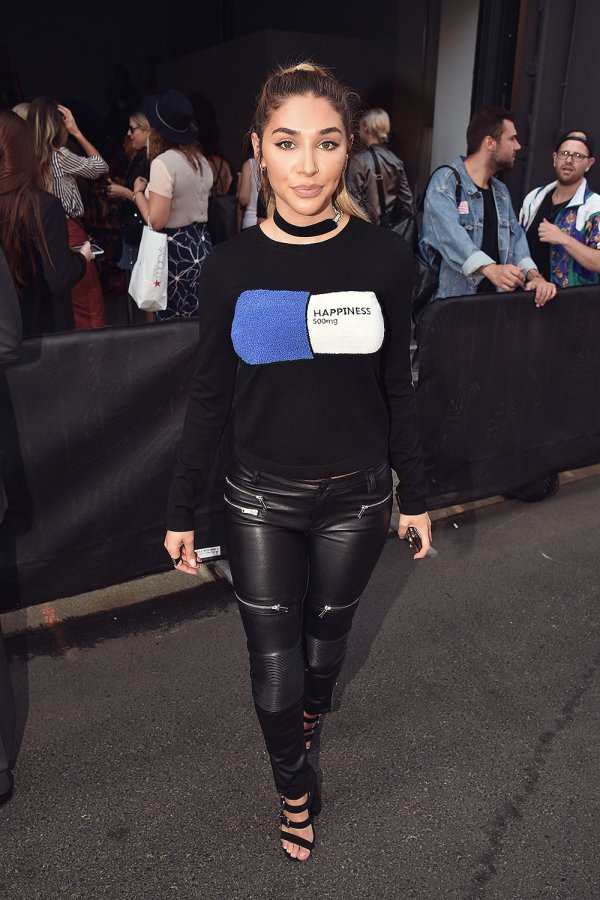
[[132, 222], [175, 200], [33, 235], [247, 194], [53, 124], [222, 174], [362, 171], [307, 319]]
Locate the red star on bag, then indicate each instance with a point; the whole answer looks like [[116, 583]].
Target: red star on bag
[[157, 284]]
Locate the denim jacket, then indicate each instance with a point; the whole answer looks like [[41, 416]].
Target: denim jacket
[[460, 246]]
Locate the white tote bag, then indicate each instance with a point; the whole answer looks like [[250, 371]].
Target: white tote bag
[[148, 284]]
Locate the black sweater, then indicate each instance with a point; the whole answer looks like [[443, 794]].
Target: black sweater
[[311, 342]]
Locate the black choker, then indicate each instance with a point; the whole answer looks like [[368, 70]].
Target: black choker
[[323, 227]]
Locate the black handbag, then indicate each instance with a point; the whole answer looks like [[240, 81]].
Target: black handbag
[[427, 274], [222, 219], [425, 281], [397, 218]]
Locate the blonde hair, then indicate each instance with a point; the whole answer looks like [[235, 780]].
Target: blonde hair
[[21, 109], [377, 122], [49, 134], [140, 118], [308, 79]]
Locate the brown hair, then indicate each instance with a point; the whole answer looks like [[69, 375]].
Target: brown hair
[[308, 79], [158, 144], [49, 134], [21, 229], [489, 120]]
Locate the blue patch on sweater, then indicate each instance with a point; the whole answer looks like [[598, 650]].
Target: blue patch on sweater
[[270, 327]]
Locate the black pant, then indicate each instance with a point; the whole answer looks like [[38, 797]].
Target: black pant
[[301, 554]]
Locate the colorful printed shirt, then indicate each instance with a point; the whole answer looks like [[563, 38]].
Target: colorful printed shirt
[[580, 218]]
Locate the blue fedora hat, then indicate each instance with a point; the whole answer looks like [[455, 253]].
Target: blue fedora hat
[[172, 115]]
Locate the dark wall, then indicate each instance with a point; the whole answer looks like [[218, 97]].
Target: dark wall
[[495, 55], [72, 55], [194, 26], [414, 78], [70, 51], [556, 83]]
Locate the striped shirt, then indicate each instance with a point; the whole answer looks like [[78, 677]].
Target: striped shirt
[[66, 166]]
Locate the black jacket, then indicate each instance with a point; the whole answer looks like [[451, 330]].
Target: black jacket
[[131, 221], [362, 184], [11, 328], [46, 297], [11, 333]]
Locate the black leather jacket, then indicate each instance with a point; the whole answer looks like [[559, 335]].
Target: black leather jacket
[[362, 184]]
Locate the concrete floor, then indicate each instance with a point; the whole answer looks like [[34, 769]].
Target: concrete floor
[[461, 760]]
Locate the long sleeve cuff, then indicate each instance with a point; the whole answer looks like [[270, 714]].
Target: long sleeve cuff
[[475, 262], [527, 264]]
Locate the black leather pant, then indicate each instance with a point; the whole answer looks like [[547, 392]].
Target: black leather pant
[[301, 554]]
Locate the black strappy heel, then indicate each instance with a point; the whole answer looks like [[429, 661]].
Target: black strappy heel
[[309, 733], [312, 806]]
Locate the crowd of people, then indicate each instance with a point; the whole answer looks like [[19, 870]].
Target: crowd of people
[[63, 264], [310, 293], [168, 169]]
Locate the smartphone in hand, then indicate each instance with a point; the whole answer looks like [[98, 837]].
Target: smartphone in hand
[[97, 251], [414, 539]]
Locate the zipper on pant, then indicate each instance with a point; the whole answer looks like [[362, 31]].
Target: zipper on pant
[[364, 508], [258, 497], [327, 609], [277, 606], [244, 509]]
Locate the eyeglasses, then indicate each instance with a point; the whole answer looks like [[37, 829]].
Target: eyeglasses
[[133, 128], [576, 157]]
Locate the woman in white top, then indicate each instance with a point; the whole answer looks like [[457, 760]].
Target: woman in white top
[[175, 200], [247, 194]]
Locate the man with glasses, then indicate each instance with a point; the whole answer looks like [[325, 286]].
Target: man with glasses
[[562, 219]]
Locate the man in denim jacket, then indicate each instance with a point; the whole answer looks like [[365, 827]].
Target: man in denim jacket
[[482, 246]]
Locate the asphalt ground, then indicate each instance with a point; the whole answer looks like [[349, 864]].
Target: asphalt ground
[[461, 760]]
